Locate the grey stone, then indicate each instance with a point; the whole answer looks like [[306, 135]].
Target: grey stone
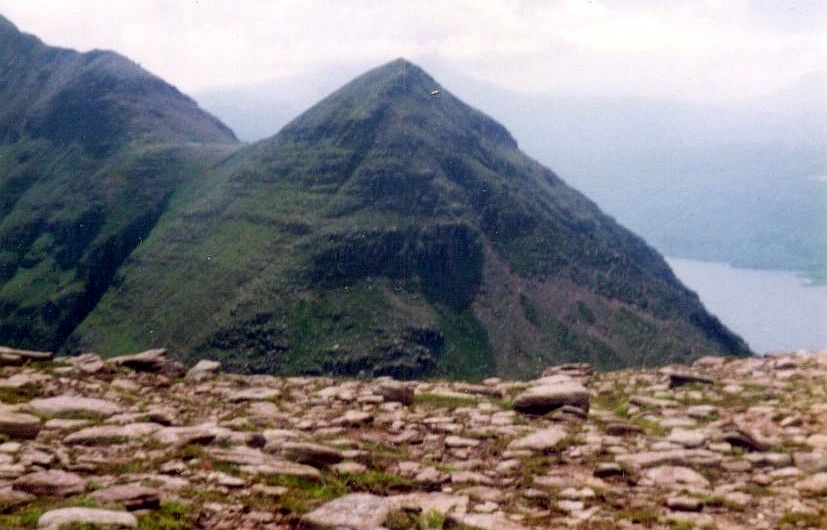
[[60, 405], [545, 398], [19, 426], [204, 370], [110, 434], [52, 482], [542, 440], [65, 516], [131, 496]]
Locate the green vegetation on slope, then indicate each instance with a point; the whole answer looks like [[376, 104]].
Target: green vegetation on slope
[[91, 148], [360, 240]]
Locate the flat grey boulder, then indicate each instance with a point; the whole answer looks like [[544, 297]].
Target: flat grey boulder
[[677, 457], [676, 476], [357, 511], [130, 496], [154, 361], [203, 370], [443, 503], [276, 467], [181, 436], [87, 363], [95, 516], [547, 397], [680, 378], [542, 440], [28, 355], [111, 434], [814, 485], [315, 455], [53, 482], [485, 521], [397, 391], [253, 394], [67, 405], [19, 426], [11, 498], [257, 462], [742, 438]]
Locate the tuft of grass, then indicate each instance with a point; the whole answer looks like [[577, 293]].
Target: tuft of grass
[[802, 520], [172, 515], [28, 515], [680, 524], [21, 394], [24, 518], [304, 494], [642, 516], [622, 410], [756, 490], [376, 482], [88, 526], [428, 399], [432, 520], [650, 427]]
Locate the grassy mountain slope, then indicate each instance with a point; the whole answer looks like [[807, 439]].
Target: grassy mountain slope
[[388, 231], [91, 148]]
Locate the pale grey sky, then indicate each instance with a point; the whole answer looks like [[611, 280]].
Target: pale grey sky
[[698, 50]]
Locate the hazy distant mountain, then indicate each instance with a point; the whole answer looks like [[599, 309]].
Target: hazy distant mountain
[[728, 182], [389, 230], [91, 148]]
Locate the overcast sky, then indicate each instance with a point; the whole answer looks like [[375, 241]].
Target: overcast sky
[[699, 50]]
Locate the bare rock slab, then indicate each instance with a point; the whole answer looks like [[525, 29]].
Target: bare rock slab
[[357, 511], [111, 434], [486, 521], [545, 398], [130, 496], [542, 440], [203, 370], [311, 454], [65, 516], [52, 482], [19, 426], [26, 354], [63, 405]]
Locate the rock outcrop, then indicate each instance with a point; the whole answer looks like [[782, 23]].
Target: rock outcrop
[[737, 444]]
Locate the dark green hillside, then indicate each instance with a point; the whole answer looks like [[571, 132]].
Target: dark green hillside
[[389, 231], [91, 149]]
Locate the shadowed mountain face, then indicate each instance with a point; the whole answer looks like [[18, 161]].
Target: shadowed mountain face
[[91, 148], [391, 231]]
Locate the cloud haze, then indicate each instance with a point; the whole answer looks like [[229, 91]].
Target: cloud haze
[[698, 50]]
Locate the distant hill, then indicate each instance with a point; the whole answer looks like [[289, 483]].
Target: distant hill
[[91, 149], [390, 230]]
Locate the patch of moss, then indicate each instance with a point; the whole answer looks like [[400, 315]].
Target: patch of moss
[[802, 520], [443, 401], [643, 516], [21, 394], [172, 515]]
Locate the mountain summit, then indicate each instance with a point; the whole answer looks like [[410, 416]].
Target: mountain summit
[[392, 229]]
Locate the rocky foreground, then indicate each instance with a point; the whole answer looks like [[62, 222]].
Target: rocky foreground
[[138, 441]]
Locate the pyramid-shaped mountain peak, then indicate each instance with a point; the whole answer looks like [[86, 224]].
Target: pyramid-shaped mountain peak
[[398, 99], [393, 230]]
